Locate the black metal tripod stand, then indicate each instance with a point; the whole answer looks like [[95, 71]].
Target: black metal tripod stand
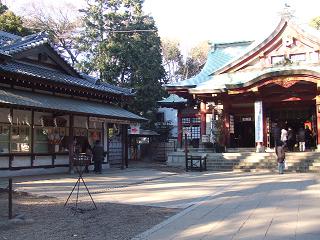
[[80, 161]]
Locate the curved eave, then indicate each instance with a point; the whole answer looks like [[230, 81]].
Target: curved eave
[[256, 50], [313, 71], [293, 72], [179, 87], [204, 91]]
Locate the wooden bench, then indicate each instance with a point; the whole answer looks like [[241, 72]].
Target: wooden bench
[[197, 163]]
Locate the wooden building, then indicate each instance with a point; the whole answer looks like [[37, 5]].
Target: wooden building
[[47, 108], [249, 87]]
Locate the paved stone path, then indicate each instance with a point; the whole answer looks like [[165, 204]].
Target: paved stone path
[[277, 207], [233, 206]]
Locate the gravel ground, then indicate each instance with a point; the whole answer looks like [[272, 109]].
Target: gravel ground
[[47, 219]]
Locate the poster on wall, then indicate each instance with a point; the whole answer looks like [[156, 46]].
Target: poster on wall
[[258, 123], [135, 128]]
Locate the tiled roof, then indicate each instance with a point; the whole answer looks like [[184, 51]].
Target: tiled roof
[[41, 101], [12, 44], [6, 38], [25, 43], [56, 76], [220, 54]]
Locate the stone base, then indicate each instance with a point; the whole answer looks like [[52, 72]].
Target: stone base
[[260, 148]]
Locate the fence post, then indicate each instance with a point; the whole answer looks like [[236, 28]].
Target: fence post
[[10, 198]]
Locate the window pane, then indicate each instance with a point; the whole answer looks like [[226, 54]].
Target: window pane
[[5, 115], [20, 139], [277, 59], [41, 140], [298, 57], [4, 138]]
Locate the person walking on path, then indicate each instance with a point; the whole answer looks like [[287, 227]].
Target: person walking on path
[[302, 139], [98, 156], [280, 156]]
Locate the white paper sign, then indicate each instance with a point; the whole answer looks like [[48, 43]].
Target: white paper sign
[[258, 122]]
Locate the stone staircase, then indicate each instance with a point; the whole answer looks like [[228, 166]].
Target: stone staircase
[[251, 161]]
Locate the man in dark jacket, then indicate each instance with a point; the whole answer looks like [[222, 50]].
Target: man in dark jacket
[[280, 156], [98, 156], [276, 134], [291, 139], [308, 137]]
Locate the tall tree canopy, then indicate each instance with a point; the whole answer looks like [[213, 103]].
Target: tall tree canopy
[[11, 23], [121, 45], [195, 60], [172, 59], [61, 24], [315, 22]]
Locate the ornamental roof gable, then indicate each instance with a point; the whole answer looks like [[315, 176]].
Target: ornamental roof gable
[[289, 43]]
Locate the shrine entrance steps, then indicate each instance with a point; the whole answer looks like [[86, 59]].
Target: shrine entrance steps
[[250, 161], [253, 162]]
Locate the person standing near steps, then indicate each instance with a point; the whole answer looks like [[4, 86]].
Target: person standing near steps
[[98, 156], [280, 156]]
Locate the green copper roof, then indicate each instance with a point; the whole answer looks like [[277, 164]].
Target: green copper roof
[[220, 54], [226, 81], [173, 98]]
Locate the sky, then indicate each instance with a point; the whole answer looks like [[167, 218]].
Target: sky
[[194, 21]]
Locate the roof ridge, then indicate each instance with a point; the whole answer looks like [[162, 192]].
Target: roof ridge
[[10, 35], [56, 76]]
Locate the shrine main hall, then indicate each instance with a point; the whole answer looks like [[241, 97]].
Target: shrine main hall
[[246, 88]]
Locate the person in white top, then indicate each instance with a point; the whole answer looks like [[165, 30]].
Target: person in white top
[[284, 136]]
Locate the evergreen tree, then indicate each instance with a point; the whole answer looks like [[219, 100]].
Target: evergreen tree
[[11, 23], [121, 45]]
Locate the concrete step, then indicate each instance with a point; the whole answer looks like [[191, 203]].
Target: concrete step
[[237, 150]]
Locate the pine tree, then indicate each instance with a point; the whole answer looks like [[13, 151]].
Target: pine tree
[[11, 23], [121, 45]]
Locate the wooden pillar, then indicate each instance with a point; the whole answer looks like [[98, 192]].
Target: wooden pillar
[[11, 156], [180, 132], [126, 146], [226, 124], [124, 133], [32, 138], [71, 120], [264, 119], [202, 119], [318, 121]]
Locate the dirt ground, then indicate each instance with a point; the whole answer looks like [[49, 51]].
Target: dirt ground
[[46, 218]]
